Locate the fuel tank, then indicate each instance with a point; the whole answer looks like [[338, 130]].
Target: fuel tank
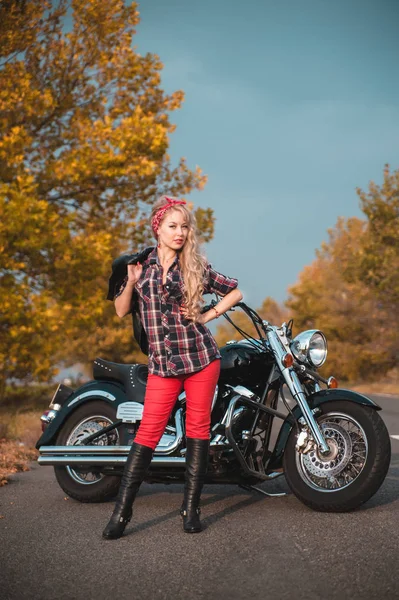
[[245, 363]]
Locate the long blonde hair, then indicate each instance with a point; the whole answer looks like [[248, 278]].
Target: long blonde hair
[[192, 260]]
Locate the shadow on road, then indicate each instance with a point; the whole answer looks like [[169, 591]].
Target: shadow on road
[[210, 520], [388, 493]]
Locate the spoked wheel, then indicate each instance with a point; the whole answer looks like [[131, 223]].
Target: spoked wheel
[[355, 466], [346, 459], [88, 485], [87, 427]]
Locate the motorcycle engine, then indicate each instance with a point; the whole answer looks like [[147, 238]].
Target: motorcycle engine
[[243, 416]]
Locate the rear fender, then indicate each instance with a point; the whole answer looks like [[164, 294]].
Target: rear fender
[[107, 391], [314, 401]]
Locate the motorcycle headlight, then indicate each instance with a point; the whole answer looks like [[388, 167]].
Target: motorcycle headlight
[[311, 347]]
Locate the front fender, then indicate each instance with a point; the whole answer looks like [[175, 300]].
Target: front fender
[[340, 394], [93, 390], [314, 401]]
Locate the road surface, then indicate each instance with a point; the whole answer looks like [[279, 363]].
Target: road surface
[[253, 546]]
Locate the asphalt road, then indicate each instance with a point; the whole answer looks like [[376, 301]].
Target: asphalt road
[[253, 546]]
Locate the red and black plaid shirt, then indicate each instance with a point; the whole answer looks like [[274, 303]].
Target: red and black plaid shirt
[[176, 345]]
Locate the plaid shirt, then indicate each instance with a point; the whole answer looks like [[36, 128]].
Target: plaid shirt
[[176, 345]]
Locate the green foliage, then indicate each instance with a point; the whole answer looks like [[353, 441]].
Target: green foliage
[[35, 396]]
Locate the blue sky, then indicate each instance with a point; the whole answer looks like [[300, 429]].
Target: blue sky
[[289, 107]]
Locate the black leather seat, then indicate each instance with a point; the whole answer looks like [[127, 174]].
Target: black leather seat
[[132, 377]]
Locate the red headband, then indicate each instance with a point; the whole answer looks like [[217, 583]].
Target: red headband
[[159, 215]]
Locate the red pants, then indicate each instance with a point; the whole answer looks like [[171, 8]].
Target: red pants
[[160, 398]]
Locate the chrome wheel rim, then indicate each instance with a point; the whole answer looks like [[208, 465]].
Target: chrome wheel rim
[[345, 462], [81, 431]]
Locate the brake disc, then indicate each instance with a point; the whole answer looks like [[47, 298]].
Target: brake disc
[[330, 465], [84, 430]]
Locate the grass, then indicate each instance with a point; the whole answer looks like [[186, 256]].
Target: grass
[[388, 385], [377, 388]]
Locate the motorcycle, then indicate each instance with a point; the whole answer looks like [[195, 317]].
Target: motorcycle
[[272, 414]]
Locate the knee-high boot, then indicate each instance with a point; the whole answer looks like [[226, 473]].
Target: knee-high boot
[[196, 465], [136, 467]]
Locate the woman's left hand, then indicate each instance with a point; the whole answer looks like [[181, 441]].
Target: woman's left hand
[[184, 313]]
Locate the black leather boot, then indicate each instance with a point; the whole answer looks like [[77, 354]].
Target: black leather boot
[[136, 467], [196, 465]]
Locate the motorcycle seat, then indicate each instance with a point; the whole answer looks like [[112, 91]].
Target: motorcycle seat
[[132, 377]]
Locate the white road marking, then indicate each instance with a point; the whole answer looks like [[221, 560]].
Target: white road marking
[[395, 437]]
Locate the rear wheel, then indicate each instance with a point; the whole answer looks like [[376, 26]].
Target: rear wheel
[[88, 485], [355, 467]]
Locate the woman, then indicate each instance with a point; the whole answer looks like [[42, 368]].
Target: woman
[[182, 353]]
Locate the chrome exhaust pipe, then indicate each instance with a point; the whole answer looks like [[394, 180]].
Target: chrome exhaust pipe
[[97, 456], [88, 460], [83, 450], [91, 460]]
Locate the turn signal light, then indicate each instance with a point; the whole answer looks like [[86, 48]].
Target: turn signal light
[[332, 383], [288, 360]]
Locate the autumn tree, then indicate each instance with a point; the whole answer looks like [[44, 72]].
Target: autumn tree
[[377, 263], [84, 150], [331, 296], [350, 291]]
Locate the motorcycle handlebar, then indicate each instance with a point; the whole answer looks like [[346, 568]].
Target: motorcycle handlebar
[[213, 303], [207, 307], [253, 315]]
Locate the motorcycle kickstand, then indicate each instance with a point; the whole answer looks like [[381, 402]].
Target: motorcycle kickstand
[[252, 488]]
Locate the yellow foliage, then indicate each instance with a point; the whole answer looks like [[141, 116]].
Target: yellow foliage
[[84, 151], [356, 325]]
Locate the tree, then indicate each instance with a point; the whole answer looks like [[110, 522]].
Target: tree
[[84, 137], [344, 308], [378, 258]]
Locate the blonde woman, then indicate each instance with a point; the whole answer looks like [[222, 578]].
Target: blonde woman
[[182, 352]]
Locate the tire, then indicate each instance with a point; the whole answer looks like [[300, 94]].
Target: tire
[[347, 485], [78, 426]]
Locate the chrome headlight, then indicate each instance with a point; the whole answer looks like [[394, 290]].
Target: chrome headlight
[[311, 347]]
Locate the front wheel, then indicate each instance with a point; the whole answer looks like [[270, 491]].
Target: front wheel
[[355, 467]]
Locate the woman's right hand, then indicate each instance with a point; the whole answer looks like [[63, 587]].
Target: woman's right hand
[[134, 273]]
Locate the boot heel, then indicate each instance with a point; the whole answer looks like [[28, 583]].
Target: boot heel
[[116, 526], [191, 520]]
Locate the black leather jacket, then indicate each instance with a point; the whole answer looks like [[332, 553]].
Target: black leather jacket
[[119, 272]]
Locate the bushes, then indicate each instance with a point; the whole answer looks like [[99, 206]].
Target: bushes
[[28, 397]]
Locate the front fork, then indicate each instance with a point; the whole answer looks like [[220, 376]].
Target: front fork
[[295, 387], [297, 392]]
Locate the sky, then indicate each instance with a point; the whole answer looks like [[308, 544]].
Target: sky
[[289, 107]]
